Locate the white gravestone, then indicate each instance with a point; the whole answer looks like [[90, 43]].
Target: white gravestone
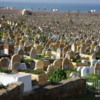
[[6, 79], [98, 61], [58, 54], [91, 69], [73, 47], [85, 71], [93, 62], [6, 51]]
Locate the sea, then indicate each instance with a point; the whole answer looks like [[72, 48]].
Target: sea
[[50, 6]]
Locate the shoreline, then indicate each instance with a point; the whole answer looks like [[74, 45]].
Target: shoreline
[[19, 11]]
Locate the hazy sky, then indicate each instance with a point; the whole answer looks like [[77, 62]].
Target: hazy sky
[[59, 1]]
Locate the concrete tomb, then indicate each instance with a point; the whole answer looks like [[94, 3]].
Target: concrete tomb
[[6, 79]]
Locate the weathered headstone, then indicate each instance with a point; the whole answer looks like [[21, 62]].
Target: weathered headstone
[[69, 54], [39, 49], [33, 53], [23, 66], [58, 63], [51, 68], [51, 46], [39, 65], [15, 62], [9, 49], [66, 64], [21, 53], [4, 63], [27, 48]]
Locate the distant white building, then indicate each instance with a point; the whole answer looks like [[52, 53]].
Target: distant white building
[[55, 10], [26, 12], [92, 11], [9, 8]]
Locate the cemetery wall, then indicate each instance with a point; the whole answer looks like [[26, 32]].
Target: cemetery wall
[[58, 91], [54, 91], [12, 92]]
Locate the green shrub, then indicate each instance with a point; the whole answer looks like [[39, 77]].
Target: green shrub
[[27, 54], [3, 55], [57, 76], [79, 60], [40, 57], [0, 36], [75, 60], [90, 88], [97, 57], [26, 60], [92, 76], [88, 53], [5, 71], [69, 71], [2, 86]]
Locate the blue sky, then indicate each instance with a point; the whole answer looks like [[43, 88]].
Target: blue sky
[[58, 1]]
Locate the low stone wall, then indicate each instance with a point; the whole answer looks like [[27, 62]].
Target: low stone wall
[[58, 91], [54, 91], [12, 92]]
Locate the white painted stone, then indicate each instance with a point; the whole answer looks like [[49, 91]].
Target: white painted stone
[[98, 61], [91, 69], [58, 54], [6, 79], [85, 71], [4, 40], [73, 47], [53, 57], [84, 61], [89, 83], [73, 74], [6, 51], [93, 62]]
